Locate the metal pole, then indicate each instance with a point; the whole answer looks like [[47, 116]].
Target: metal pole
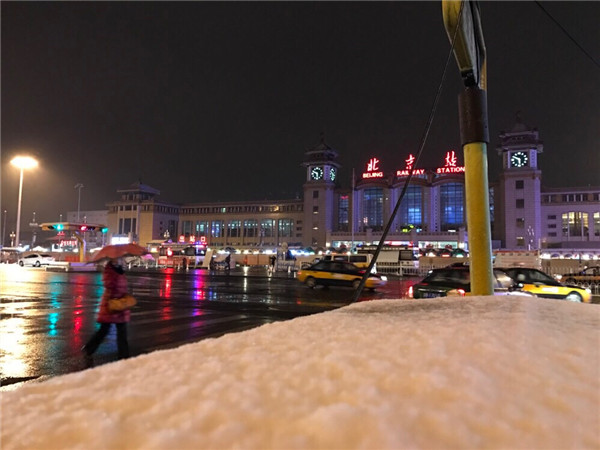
[[19, 207]]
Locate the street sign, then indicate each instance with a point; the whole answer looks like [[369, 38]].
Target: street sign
[[469, 46]]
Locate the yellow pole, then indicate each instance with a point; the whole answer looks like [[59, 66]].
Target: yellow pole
[[463, 26], [478, 218], [82, 247]]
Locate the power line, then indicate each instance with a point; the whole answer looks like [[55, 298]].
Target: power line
[[567, 33]]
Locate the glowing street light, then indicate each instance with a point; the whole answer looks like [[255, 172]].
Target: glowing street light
[[22, 163]]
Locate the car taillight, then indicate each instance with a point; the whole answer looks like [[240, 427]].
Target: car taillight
[[410, 292], [461, 292]]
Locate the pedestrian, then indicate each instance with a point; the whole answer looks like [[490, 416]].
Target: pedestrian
[[115, 286], [273, 259]]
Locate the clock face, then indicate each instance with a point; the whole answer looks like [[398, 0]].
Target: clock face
[[519, 159], [332, 174], [316, 173]]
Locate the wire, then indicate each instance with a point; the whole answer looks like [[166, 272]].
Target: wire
[[567, 33], [407, 181]]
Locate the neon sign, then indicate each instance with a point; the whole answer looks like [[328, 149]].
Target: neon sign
[[409, 168], [373, 169], [451, 160]]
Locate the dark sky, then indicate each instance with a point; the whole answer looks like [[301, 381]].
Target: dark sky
[[219, 101]]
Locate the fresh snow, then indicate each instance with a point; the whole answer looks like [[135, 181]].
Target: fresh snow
[[479, 372]]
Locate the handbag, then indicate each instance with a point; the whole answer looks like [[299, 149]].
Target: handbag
[[128, 301]]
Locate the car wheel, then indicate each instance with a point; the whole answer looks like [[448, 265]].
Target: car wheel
[[21, 263], [311, 282], [570, 281], [574, 297], [37, 264], [356, 284]]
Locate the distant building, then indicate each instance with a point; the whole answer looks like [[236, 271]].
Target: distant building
[[524, 214]]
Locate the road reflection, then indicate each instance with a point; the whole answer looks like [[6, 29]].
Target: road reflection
[[46, 317]]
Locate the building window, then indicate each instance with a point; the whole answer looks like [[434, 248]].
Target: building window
[[250, 228], [411, 207], [267, 227], [373, 208], [315, 194], [520, 203], [551, 225], [286, 226], [234, 229], [186, 227], [575, 224], [552, 234], [520, 222], [202, 228], [315, 210], [597, 224], [520, 242], [552, 217], [452, 206], [216, 228], [127, 226], [343, 212], [519, 184]]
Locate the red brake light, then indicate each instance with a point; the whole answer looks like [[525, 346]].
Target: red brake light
[[461, 292]]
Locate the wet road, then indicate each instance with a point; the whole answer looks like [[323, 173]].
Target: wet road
[[46, 317]]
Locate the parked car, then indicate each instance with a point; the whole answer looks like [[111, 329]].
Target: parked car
[[455, 280], [36, 260], [338, 273], [542, 285], [586, 277]]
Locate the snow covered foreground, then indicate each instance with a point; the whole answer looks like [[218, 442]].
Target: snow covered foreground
[[482, 372]]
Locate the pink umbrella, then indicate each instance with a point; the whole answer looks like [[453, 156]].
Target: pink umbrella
[[118, 251]]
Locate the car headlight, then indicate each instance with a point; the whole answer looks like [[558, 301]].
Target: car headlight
[[383, 277], [588, 290]]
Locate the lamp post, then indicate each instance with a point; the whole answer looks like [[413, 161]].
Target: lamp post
[[78, 186], [22, 163]]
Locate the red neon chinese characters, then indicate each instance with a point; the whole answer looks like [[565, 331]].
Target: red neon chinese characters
[[409, 164], [373, 169], [450, 166]]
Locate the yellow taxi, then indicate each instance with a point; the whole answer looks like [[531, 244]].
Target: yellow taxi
[[338, 273], [542, 285]]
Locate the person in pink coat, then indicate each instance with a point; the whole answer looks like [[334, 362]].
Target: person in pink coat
[[115, 286]]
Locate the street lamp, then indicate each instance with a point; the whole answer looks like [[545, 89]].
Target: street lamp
[[78, 186], [22, 163]]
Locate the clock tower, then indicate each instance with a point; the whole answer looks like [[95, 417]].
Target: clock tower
[[322, 167], [518, 222]]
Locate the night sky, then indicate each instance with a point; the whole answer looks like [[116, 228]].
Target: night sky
[[219, 101]]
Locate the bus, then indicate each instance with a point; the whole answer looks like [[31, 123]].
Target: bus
[[394, 259]]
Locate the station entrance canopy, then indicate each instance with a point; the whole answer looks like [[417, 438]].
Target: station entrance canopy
[[79, 230]]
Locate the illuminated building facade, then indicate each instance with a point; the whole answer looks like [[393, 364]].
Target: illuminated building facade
[[523, 214]]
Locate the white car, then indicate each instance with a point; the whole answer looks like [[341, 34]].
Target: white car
[[36, 259]]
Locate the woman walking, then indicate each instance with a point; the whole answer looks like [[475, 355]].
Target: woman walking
[[115, 286]]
